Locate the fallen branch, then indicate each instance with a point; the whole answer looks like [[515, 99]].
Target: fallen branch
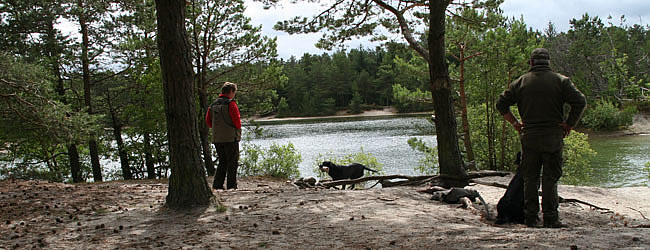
[[410, 180], [562, 200], [642, 215], [374, 178], [493, 184]]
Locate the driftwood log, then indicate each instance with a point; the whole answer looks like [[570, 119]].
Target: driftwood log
[[406, 180]]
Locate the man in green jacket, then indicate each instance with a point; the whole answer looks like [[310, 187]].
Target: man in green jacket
[[540, 96]]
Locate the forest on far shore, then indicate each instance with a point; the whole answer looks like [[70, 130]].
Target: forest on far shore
[[67, 100]]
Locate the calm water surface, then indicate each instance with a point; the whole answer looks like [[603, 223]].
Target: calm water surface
[[620, 160], [386, 139]]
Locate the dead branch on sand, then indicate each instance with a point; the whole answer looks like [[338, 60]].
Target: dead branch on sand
[[406, 180], [562, 200]]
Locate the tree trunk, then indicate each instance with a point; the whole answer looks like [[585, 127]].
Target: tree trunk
[[75, 164], [148, 149], [55, 53], [117, 133], [148, 158], [504, 133], [85, 62], [449, 156], [124, 158], [204, 132], [187, 184], [463, 103]]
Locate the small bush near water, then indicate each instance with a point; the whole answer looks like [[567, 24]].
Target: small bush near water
[[277, 161], [604, 115]]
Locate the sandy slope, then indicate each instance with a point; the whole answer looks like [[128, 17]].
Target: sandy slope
[[268, 213]]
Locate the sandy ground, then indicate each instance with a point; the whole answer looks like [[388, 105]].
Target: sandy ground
[[271, 213]]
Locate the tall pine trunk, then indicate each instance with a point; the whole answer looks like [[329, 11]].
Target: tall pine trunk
[[85, 63], [117, 133], [148, 157], [55, 52], [187, 184], [449, 155], [463, 103], [204, 131], [148, 149]]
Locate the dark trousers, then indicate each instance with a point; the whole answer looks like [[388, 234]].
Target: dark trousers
[[228, 155], [541, 153]]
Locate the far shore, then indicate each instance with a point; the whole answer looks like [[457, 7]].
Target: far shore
[[640, 125], [341, 115]]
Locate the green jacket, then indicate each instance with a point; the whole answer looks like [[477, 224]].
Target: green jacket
[[540, 96]]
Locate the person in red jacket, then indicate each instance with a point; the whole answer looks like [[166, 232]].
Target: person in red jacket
[[224, 119]]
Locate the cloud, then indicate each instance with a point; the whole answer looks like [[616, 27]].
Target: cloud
[[536, 14]]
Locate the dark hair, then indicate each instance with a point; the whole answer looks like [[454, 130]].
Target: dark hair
[[227, 87]]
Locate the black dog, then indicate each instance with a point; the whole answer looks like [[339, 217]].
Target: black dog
[[510, 208], [340, 172]]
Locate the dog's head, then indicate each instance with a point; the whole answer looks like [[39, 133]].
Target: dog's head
[[325, 166]]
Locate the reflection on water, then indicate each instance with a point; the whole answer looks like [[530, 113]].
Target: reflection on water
[[386, 139], [620, 161]]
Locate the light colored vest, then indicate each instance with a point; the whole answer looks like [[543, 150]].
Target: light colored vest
[[223, 129]]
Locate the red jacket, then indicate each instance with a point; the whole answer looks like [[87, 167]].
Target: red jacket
[[233, 110]]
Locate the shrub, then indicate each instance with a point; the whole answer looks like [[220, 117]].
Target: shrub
[[283, 108], [577, 156], [405, 100], [633, 91], [488, 131], [644, 105], [355, 104], [277, 161], [604, 115], [429, 164]]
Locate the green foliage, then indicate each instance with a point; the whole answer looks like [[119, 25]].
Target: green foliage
[[277, 161], [34, 127], [604, 115], [429, 164], [283, 108], [480, 134], [405, 100], [220, 208], [577, 156], [643, 105], [633, 91], [647, 168], [355, 104], [361, 157]]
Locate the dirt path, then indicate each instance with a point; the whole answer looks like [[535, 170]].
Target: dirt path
[[269, 213]]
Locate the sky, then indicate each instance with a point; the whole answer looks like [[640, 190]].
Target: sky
[[536, 14]]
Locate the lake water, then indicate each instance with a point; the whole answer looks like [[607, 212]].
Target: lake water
[[386, 139], [620, 160]]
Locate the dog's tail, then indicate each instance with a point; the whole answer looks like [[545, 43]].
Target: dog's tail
[[369, 169]]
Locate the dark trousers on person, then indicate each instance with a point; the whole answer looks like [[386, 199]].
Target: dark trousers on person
[[228, 155], [542, 152]]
